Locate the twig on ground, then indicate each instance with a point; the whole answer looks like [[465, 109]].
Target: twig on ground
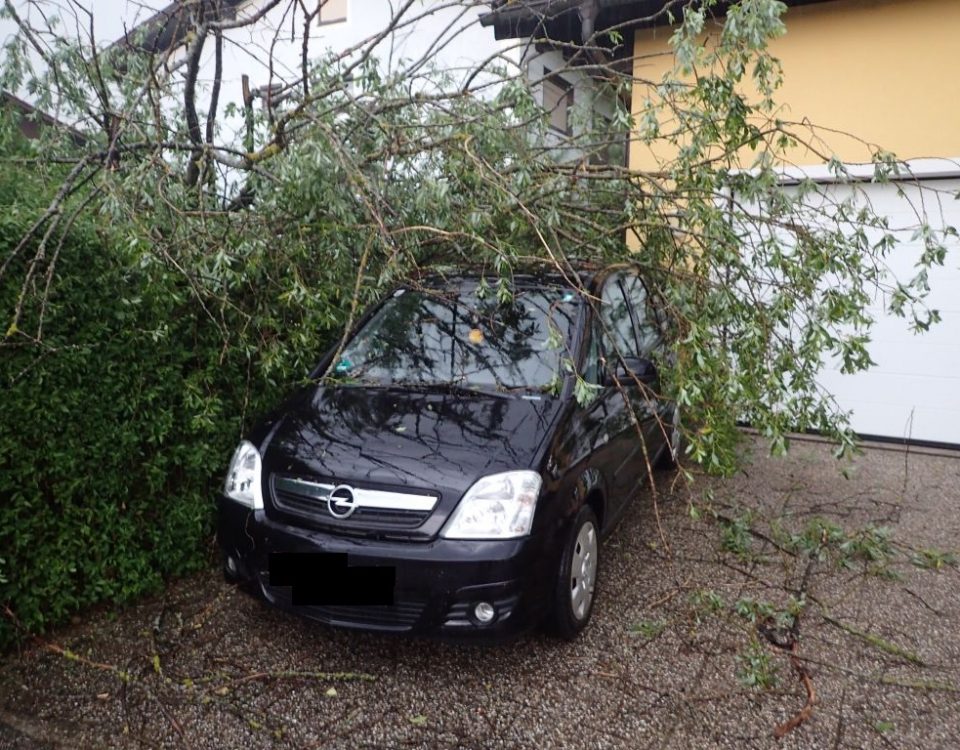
[[928, 685], [297, 675], [804, 713], [69, 655], [792, 644], [876, 641]]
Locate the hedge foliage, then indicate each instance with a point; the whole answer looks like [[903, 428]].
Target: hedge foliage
[[114, 432]]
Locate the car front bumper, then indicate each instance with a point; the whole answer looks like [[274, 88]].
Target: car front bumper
[[437, 583]]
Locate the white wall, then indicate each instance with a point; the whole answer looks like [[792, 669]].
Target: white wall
[[445, 32], [914, 390], [589, 96]]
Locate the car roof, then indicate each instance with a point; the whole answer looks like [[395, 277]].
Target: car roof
[[586, 274]]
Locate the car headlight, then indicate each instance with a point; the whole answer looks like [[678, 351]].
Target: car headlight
[[243, 476], [499, 506]]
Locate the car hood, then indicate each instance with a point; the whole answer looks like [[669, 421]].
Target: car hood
[[390, 437]]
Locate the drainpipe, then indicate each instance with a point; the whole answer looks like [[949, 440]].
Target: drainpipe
[[588, 20]]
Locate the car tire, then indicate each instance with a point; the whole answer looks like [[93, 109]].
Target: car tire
[[670, 453], [575, 590]]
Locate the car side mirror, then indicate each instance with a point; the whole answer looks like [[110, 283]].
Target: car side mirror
[[628, 370]]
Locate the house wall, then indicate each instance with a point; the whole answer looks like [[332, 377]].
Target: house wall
[[881, 70], [447, 33], [447, 36], [444, 34], [590, 97]]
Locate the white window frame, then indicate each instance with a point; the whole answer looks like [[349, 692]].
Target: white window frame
[[323, 18], [564, 101]]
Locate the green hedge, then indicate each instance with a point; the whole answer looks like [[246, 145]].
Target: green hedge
[[114, 433]]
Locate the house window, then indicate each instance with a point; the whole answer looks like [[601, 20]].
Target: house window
[[610, 145], [174, 58], [558, 101], [332, 11]]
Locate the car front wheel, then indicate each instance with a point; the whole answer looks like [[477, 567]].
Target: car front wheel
[[577, 577], [670, 454]]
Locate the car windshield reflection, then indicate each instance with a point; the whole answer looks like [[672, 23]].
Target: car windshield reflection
[[462, 341]]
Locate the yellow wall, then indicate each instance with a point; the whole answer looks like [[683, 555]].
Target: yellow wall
[[887, 71]]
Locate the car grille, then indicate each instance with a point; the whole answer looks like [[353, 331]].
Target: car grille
[[306, 499], [400, 616]]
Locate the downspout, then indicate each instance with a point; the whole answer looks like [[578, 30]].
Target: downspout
[[588, 11]]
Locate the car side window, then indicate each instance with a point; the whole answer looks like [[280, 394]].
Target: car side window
[[649, 338], [591, 363], [616, 320]]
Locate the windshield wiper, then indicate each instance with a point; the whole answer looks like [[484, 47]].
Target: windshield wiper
[[445, 387]]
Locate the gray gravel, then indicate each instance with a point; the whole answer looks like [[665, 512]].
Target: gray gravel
[[205, 666]]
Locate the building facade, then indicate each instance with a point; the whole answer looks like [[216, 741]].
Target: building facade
[[861, 76], [261, 60]]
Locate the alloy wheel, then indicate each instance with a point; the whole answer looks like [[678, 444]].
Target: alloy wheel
[[583, 570]]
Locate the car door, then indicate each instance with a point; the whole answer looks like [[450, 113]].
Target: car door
[[627, 329], [601, 437], [648, 328]]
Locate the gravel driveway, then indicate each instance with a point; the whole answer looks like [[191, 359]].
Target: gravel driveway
[[681, 652]]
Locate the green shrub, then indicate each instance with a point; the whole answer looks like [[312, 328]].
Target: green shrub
[[114, 430]]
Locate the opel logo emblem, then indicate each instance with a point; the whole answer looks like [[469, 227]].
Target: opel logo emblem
[[340, 502]]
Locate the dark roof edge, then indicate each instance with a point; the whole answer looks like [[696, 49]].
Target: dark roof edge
[[515, 18], [168, 27], [29, 111]]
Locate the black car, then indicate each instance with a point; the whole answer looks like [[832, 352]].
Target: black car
[[454, 465]]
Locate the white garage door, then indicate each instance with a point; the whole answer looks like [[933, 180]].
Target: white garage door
[[914, 390]]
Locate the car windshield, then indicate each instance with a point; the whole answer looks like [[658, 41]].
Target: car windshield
[[463, 338]]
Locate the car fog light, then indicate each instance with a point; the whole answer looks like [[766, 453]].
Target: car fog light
[[484, 612]]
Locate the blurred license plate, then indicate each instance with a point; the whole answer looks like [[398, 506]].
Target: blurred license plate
[[318, 578]]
